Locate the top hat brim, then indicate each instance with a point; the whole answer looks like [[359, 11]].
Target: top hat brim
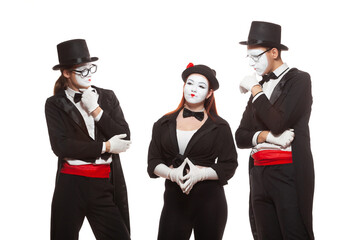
[[75, 62], [203, 70], [265, 44]]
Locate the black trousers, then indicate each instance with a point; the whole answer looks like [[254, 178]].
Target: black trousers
[[204, 210], [275, 203], [76, 197]]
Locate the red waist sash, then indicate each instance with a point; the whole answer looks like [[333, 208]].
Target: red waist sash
[[89, 170], [272, 157]]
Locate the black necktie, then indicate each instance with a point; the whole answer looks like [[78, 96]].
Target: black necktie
[[77, 97], [198, 115]]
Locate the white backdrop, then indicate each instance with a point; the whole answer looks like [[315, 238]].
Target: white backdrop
[[143, 47]]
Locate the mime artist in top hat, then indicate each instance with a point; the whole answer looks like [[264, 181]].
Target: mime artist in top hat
[[275, 126], [87, 131]]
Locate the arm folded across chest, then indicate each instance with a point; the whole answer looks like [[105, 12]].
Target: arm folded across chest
[[112, 122], [246, 130], [294, 102], [63, 141]]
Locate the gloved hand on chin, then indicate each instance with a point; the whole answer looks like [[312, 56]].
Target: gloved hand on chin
[[89, 99]]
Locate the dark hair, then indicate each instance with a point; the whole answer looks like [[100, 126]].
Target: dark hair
[[279, 51], [61, 83]]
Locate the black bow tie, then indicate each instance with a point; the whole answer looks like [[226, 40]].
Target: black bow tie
[[198, 115], [77, 97], [269, 76]]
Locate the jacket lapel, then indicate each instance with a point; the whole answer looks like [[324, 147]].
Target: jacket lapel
[[207, 127], [172, 132], [99, 91], [280, 86], [70, 109]]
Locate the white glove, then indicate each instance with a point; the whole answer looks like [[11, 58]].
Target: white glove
[[248, 83], [89, 99], [118, 144], [284, 140], [197, 174], [162, 170], [176, 174]]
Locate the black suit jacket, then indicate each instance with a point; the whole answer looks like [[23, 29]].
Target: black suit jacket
[[211, 146], [69, 137], [289, 107]]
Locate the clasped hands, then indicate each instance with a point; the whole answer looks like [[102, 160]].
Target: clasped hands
[[194, 175]]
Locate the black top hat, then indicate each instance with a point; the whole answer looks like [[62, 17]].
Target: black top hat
[[265, 34], [209, 73], [73, 52]]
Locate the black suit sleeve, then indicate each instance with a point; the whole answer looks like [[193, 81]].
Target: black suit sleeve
[[112, 122], [154, 153], [227, 159], [296, 103], [64, 145], [245, 132]]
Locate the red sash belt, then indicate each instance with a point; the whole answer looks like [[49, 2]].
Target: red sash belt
[[272, 157], [89, 170]]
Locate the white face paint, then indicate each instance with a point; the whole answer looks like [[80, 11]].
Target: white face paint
[[196, 88], [84, 82], [258, 63]]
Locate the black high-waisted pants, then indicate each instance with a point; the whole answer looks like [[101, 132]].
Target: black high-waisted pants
[[204, 210], [275, 203], [77, 197]]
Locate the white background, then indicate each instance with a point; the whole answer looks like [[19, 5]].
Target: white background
[[143, 47]]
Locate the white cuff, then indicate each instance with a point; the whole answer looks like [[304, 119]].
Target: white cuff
[[255, 137], [103, 150], [210, 174], [257, 95], [97, 118]]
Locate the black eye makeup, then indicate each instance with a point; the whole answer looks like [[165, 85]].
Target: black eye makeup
[[190, 82], [201, 85]]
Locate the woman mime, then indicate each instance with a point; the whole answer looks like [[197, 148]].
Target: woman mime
[[193, 149], [87, 131]]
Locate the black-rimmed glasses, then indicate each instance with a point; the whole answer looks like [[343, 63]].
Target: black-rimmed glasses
[[86, 71], [257, 58]]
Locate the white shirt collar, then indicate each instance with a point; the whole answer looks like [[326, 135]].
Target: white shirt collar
[[280, 69], [70, 92]]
